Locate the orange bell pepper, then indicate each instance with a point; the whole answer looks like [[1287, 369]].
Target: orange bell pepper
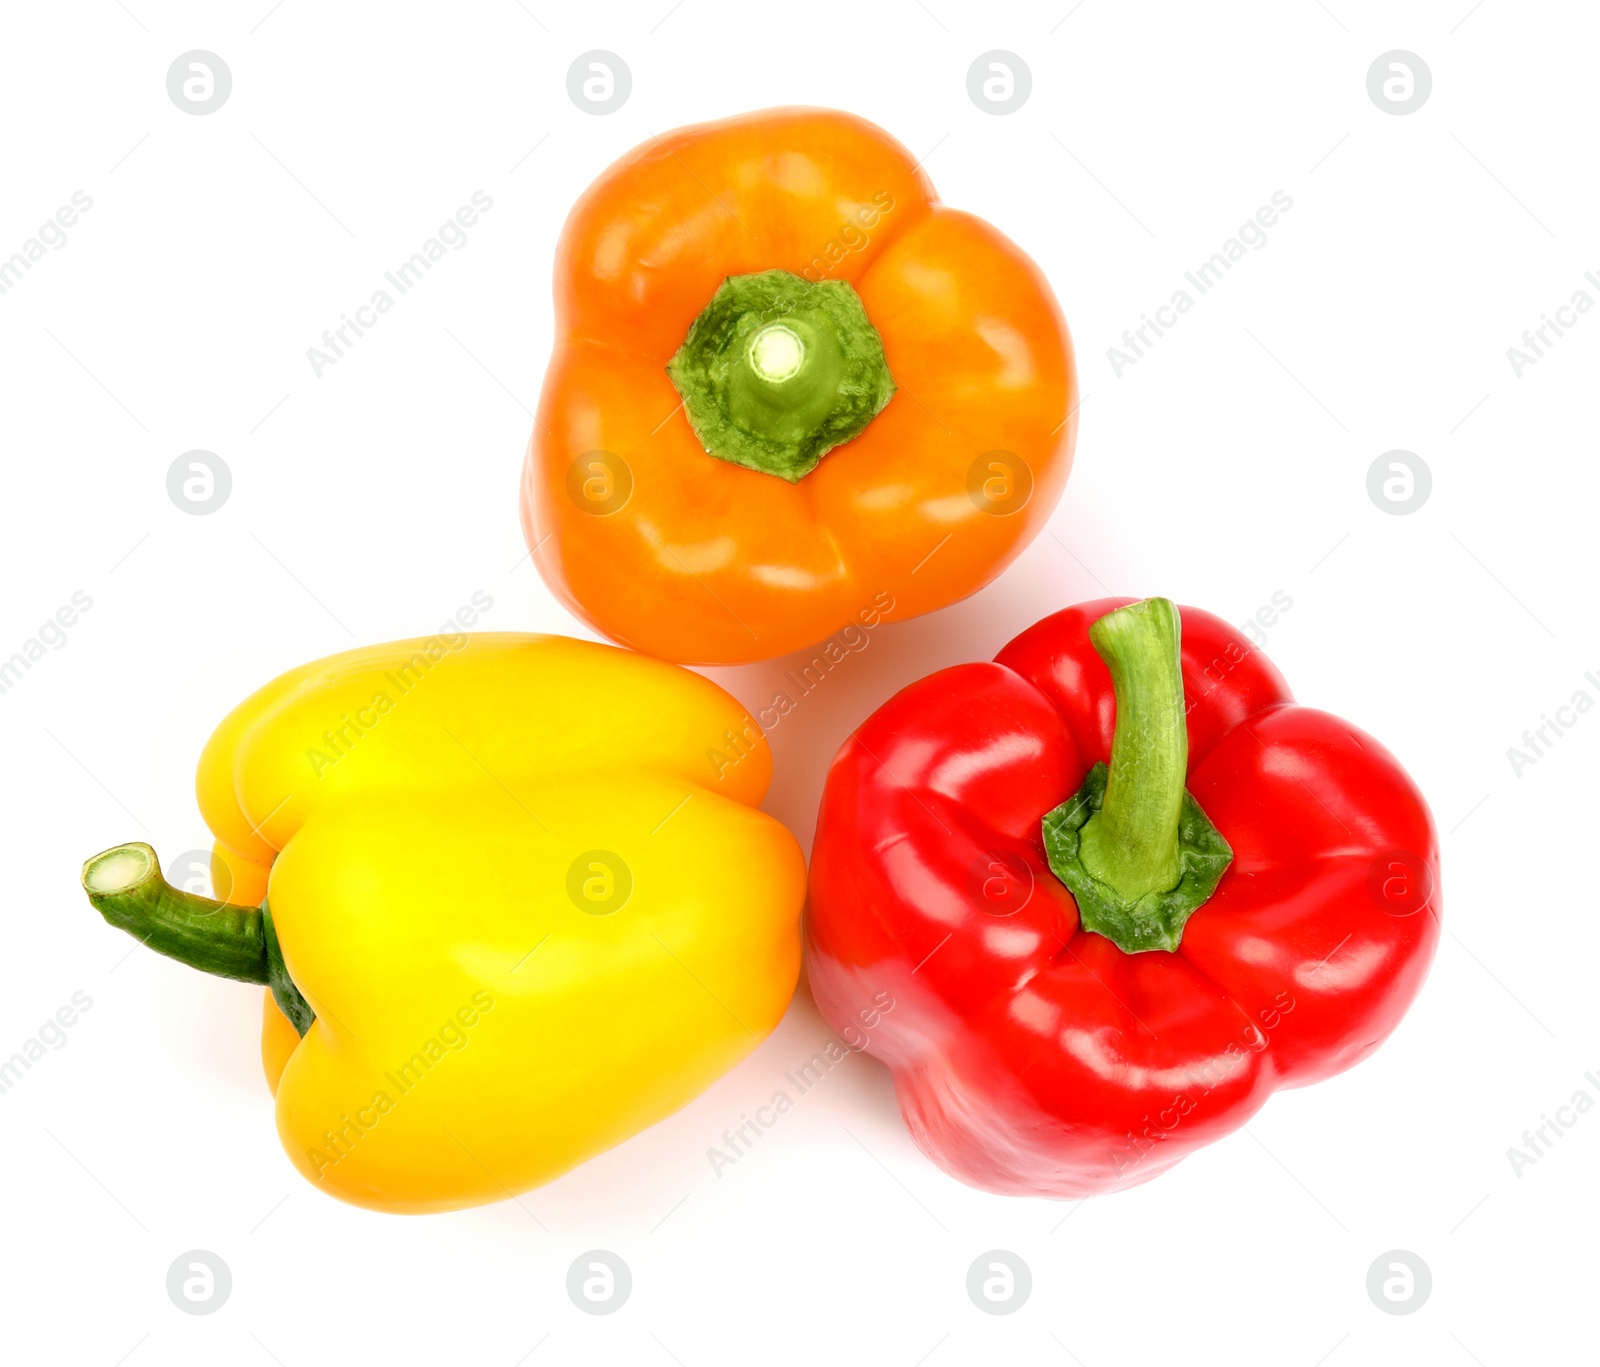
[[788, 386]]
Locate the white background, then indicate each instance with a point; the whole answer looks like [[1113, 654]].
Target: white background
[[1227, 464]]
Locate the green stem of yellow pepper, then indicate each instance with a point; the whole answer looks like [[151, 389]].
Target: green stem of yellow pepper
[[126, 886]]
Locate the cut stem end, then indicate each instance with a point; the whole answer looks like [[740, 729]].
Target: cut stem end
[[118, 869], [779, 370]]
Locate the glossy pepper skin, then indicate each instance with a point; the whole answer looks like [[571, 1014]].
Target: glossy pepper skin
[[696, 558], [524, 887], [1032, 1056]]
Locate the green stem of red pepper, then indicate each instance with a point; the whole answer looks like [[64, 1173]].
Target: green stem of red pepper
[[1132, 844]]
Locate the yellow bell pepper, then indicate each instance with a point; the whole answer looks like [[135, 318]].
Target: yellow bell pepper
[[519, 900]]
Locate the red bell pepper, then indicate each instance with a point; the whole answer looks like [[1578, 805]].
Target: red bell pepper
[[1257, 897]]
